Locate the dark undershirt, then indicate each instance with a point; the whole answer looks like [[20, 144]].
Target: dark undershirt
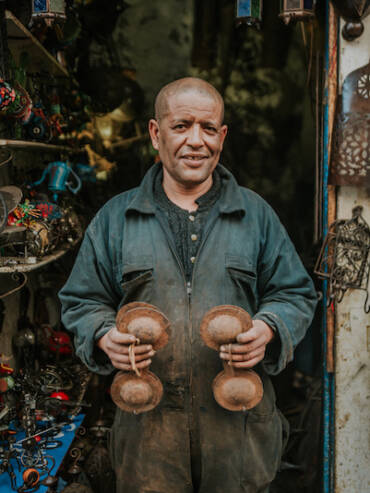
[[187, 226]]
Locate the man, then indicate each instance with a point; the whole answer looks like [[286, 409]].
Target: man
[[186, 240]]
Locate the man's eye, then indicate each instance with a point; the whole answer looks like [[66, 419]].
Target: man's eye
[[180, 126], [211, 129]]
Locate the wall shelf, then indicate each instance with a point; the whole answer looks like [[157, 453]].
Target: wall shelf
[[22, 266], [21, 40], [25, 144]]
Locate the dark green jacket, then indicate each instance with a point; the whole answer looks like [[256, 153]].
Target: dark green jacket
[[245, 259]]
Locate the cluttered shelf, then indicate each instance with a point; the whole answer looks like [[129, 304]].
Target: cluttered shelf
[[25, 144], [14, 264], [21, 40], [30, 262]]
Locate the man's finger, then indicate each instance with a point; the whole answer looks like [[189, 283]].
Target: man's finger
[[121, 338], [140, 349], [127, 367], [124, 358], [242, 348], [249, 336], [242, 357], [248, 364]]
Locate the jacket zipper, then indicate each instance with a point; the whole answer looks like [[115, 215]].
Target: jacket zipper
[[189, 290]]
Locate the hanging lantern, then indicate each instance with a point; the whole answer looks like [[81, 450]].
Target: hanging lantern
[[352, 11], [249, 12], [344, 259], [48, 10], [297, 10]]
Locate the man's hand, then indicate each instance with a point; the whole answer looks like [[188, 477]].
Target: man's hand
[[116, 346], [251, 346]]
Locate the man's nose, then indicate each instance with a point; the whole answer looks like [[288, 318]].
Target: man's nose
[[195, 136]]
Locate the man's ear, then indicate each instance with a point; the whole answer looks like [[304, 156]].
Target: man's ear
[[223, 133], [154, 133]]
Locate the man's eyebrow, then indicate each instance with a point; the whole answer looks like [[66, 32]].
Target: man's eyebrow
[[209, 122], [181, 120], [202, 122]]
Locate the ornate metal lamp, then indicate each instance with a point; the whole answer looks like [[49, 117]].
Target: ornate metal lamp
[[352, 11], [297, 10], [48, 10], [350, 158], [249, 12], [344, 259]]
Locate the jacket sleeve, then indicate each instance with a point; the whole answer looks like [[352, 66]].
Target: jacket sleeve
[[287, 297], [90, 298]]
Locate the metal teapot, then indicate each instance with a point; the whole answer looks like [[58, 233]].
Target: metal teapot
[[59, 172]]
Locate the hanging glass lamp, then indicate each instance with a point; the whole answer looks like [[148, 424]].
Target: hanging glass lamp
[[297, 10], [48, 10], [249, 12]]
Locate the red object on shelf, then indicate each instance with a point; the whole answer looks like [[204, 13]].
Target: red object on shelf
[[60, 342], [5, 369], [60, 395]]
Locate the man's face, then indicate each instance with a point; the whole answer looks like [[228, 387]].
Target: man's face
[[189, 137]]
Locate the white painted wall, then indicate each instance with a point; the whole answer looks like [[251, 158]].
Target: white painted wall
[[352, 372]]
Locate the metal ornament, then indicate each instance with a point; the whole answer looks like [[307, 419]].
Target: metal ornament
[[249, 12], [297, 10], [352, 11], [345, 257], [350, 157], [48, 10]]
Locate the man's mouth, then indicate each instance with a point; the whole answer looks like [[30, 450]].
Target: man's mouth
[[194, 157]]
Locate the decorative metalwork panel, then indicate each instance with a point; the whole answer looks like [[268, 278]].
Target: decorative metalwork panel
[[345, 257], [352, 150], [350, 163], [363, 86]]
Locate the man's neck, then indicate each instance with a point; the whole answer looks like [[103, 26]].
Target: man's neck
[[182, 196]]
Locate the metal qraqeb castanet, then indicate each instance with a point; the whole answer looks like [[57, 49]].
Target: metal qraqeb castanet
[[140, 391], [344, 259], [234, 389]]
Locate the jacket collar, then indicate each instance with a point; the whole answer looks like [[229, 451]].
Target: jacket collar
[[231, 200]]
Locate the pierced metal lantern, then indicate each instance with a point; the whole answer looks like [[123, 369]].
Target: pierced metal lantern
[[297, 10], [350, 156], [249, 12], [344, 259], [48, 10]]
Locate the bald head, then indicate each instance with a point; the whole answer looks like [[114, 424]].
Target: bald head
[[185, 85]]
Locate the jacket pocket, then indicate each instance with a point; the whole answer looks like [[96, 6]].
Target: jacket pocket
[[241, 285], [262, 450], [137, 279]]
